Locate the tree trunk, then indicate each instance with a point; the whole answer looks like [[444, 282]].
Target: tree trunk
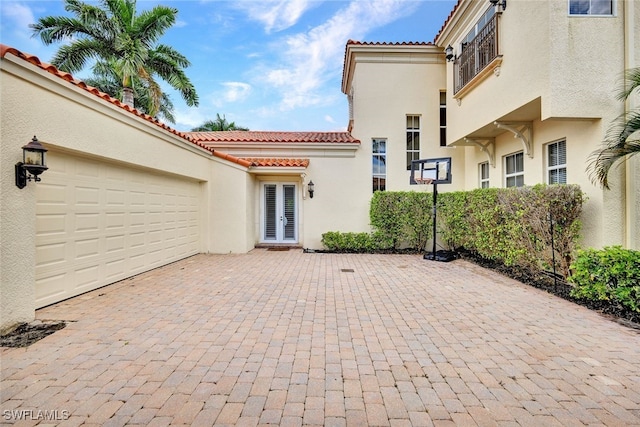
[[127, 96]]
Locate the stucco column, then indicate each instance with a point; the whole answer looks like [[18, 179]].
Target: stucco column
[[17, 234]]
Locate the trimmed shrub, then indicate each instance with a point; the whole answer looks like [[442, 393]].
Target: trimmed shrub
[[402, 218], [611, 274], [513, 225], [509, 225]]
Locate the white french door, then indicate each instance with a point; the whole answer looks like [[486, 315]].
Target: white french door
[[279, 219]]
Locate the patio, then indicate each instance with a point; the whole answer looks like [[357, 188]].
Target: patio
[[291, 338]]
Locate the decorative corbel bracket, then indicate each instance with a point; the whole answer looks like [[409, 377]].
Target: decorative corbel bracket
[[488, 145], [522, 131]]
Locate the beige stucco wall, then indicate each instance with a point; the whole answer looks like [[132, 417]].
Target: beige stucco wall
[[341, 198], [67, 119], [386, 88], [603, 211], [230, 216], [561, 74], [571, 63]]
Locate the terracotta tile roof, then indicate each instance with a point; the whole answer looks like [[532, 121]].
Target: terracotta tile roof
[[273, 137], [197, 138], [355, 42], [230, 158], [34, 60], [277, 162]]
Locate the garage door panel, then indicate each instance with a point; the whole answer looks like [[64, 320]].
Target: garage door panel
[[86, 278], [98, 223], [51, 224], [51, 254], [53, 194], [52, 286]]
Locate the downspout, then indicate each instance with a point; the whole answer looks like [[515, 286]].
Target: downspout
[[632, 187]]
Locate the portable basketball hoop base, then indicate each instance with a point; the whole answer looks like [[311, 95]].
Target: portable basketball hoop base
[[433, 171]]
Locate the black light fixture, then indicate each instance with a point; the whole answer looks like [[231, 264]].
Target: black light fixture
[[448, 54], [501, 3], [32, 164], [311, 189]]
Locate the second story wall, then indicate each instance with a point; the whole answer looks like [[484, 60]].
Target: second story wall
[[571, 64], [390, 85]]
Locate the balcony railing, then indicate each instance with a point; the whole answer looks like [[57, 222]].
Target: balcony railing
[[476, 55]]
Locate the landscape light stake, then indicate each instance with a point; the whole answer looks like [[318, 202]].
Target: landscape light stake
[[553, 254]]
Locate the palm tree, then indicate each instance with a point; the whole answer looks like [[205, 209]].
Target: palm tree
[[621, 140], [105, 78], [219, 124], [112, 33]]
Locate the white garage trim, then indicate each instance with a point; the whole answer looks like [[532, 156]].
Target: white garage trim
[[100, 222]]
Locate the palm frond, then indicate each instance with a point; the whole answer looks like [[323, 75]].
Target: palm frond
[[150, 25], [619, 144], [632, 83]]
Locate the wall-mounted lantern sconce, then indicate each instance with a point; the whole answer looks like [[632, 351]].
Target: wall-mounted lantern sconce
[[32, 163], [448, 54], [501, 3], [311, 188]]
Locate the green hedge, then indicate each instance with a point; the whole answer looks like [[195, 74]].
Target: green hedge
[[507, 225], [512, 225], [402, 218], [611, 274]]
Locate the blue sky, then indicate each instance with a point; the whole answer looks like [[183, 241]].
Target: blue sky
[[266, 65]]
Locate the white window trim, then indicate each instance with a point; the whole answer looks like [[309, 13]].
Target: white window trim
[[413, 130], [380, 155], [580, 15], [515, 174], [441, 126], [556, 167], [482, 180]]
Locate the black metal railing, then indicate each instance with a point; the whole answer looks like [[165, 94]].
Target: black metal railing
[[476, 55]]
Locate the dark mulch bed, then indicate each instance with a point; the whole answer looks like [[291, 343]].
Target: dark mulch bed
[[28, 333], [546, 282]]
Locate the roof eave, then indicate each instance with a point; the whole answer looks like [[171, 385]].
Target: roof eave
[[277, 170]]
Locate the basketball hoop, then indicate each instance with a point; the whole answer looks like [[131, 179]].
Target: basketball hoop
[[423, 181], [432, 171]]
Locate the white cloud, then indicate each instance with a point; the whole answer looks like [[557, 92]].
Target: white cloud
[[20, 15], [189, 118], [231, 92], [276, 15], [311, 59], [15, 18], [236, 91], [329, 119]]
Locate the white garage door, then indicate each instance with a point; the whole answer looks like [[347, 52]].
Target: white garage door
[[98, 223]]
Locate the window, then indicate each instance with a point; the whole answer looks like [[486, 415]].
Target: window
[[379, 164], [514, 170], [413, 139], [483, 171], [479, 26], [591, 7], [557, 162], [443, 119]]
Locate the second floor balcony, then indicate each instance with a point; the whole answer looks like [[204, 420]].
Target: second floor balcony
[[476, 55]]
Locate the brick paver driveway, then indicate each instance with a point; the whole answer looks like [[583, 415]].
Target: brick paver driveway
[[308, 339]]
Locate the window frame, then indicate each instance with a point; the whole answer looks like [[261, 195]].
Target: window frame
[[570, 13], [551, 168], [379, 180], [517, 173], [483, 182], [413, 153], [443, 118]]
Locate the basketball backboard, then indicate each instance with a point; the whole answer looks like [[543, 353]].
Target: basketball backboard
[[431, 171]]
